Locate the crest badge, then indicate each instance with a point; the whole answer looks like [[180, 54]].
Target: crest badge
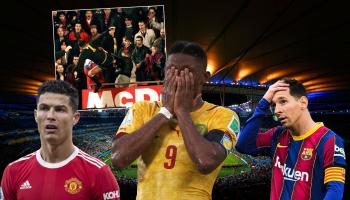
[[307, 153], [73, 185]]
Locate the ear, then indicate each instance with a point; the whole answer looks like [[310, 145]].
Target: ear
[[36, 115], [304, 102], [76, 117], [206, 76]]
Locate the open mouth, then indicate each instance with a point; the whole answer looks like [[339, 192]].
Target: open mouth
[[282, 119], [50, 128]]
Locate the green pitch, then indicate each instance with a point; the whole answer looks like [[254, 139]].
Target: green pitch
[[232, 165]]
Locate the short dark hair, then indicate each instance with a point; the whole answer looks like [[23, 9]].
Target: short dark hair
[[190, 48], [61, 13], [296, 88], [140, 37], [128, 38], [152, 8], [61, 87]]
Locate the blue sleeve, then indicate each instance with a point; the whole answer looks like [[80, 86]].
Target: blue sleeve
[[247, 138], [335, 190]]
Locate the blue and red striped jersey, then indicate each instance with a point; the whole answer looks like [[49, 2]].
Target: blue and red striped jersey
[[310, 166]]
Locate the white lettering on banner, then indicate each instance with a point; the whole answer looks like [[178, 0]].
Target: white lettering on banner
[[111, 195], [140, 94], [120, 98], [106, 100], [290, 174], [339, 151]]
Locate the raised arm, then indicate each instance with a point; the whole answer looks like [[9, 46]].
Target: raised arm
[[247, 139], [206, 154], [127, 147]]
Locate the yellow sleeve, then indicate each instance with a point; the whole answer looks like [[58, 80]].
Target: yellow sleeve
[[227, 121], [133, 119]]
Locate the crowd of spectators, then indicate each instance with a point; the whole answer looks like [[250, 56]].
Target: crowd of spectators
[[133, 37]]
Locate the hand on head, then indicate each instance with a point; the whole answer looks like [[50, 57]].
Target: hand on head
[[278, 86]]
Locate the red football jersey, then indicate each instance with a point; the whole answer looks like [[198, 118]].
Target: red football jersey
[[80, 176]]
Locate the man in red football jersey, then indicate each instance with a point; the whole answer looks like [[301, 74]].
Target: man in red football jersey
[[58, 170]]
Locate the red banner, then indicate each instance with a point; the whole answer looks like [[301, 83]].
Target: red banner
[[119, 97]]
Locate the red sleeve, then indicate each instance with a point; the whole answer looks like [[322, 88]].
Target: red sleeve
[[84, 36], [7, 184], [106, 185], [265, 139], [328, 153], [71, 36]]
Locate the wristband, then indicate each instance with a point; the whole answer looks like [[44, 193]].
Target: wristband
[[165, 112]]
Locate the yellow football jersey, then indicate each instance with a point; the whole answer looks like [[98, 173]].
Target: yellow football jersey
[[165, 169]]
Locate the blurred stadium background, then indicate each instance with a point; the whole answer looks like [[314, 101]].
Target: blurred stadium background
[[250, 44]]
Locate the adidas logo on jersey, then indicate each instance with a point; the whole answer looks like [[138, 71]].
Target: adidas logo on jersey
[[25, 185]]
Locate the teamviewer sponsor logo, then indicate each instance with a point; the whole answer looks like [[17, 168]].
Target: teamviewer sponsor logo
[[339, 151], [111, 195], [291, 174]]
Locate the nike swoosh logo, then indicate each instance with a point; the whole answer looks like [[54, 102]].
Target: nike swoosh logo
[[281, 146]]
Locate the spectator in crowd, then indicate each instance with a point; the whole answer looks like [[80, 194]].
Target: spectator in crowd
[[106, 18], [94, 32], [147, 35], [77, 35], [72, 19], [130, 30], [109, 43], [59, 169], [59, 38], [62, 22], [160, 41], [137, 57], [153, 64], [65, 53], [141, 14], [60, 73], [88, 20], [125, 65], [182, 141], [75, 75], [120, 25], [153, 21]]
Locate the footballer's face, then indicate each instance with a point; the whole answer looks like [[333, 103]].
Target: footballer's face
[[55, 118], [287, 108], [182, 61]]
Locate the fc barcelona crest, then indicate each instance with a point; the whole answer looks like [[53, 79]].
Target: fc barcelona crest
[[307, 153]]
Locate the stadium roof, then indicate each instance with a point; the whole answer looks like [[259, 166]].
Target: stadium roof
[[246, 40]]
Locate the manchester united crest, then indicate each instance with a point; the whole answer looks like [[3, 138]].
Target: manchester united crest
[[73, 185], [307, 153]]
